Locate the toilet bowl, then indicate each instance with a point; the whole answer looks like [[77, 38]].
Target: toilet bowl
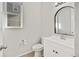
[[37, 50]]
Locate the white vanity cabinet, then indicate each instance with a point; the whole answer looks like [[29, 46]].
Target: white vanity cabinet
[[56, 48], [64, 42]]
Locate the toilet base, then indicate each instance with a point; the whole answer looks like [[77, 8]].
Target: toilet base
[[38, 54]]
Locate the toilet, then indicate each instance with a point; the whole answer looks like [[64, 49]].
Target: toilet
[[38, 48]]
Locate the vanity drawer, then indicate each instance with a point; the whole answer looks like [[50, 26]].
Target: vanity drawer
[[62, 40], [57, 50]]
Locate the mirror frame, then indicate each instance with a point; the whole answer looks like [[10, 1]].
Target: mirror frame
[[56, 20]]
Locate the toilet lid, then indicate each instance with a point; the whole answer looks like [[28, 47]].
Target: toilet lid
[[38, 46]]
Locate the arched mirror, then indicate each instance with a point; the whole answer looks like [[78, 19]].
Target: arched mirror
[[64, 21]]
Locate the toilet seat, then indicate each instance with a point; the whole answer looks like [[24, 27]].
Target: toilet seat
[[37, 47]]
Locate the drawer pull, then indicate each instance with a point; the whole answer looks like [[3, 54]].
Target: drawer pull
[[56, 52], [53, 50]]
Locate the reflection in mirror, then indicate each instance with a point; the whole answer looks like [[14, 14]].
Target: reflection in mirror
[[64, 21]]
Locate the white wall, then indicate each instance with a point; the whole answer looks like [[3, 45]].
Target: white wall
[[47, 19], [77, 28], [30, 33], [1, 33]]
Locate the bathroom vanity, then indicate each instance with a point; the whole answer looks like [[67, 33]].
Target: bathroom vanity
[[65, 40], [58, 46]]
